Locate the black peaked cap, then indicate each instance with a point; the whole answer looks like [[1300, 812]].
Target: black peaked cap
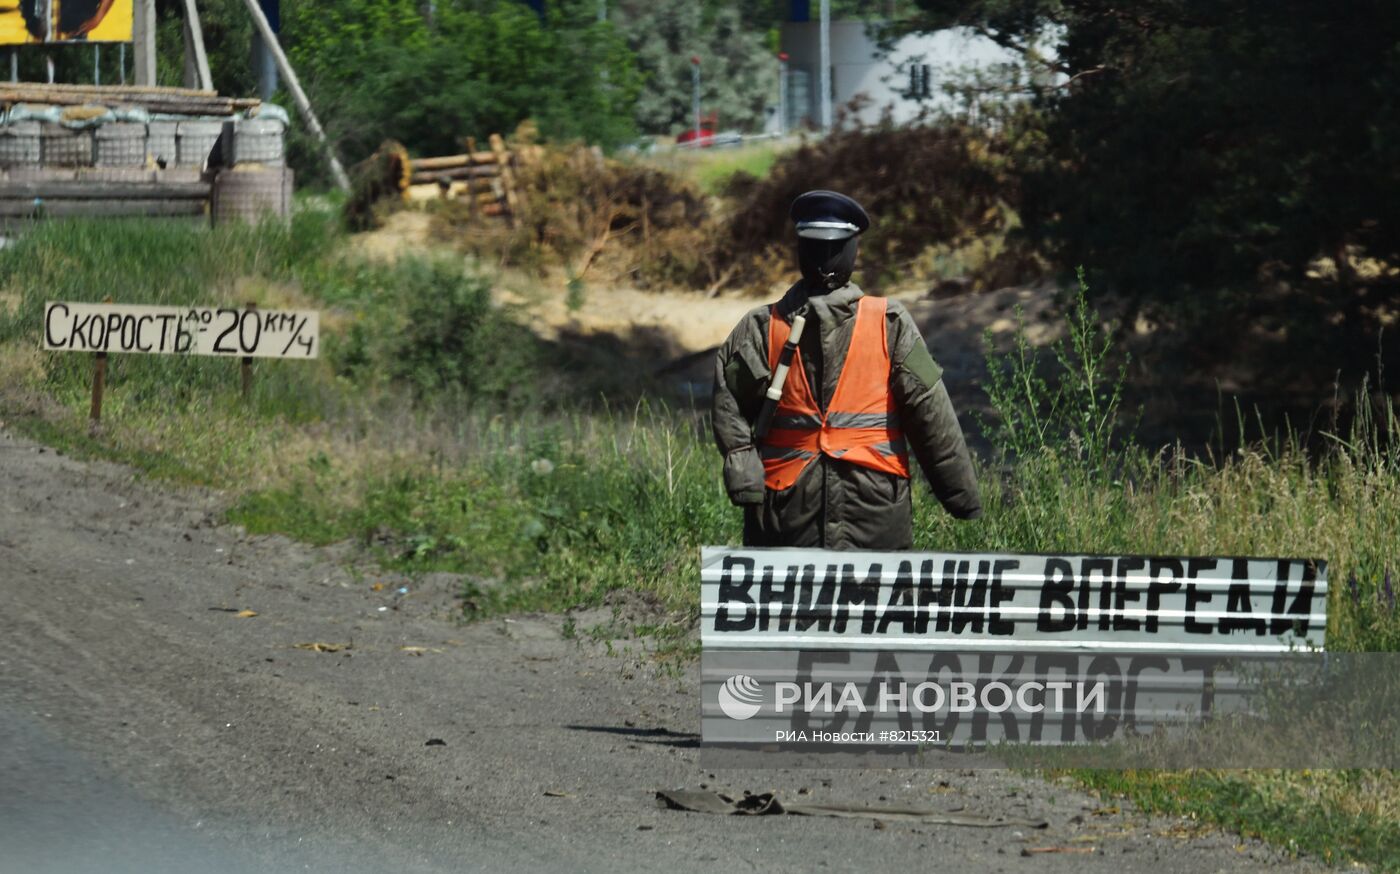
[[828, 215]]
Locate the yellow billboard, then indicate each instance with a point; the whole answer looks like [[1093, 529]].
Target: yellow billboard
[[25, 22]]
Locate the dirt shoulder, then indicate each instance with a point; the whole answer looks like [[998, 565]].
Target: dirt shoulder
[[145, 724]]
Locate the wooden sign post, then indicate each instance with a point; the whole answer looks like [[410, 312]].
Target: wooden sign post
[[99, 382]]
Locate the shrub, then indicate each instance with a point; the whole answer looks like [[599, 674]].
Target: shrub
[[433, 326], [925, 187]]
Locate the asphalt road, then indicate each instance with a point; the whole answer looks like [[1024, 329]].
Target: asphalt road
[[146, 726]]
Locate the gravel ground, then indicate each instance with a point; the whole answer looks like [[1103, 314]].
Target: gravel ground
[[145, 725]]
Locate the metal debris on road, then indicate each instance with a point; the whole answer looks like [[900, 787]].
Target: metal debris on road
[[767, 803]]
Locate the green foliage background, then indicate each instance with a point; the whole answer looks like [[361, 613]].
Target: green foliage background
[[738, 71], [1194, 148], [381, 69]]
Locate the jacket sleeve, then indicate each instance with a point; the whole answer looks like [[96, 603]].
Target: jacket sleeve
[[930, 424], [741, 375]]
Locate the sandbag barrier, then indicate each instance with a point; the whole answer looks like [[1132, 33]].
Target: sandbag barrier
[[115, 151]]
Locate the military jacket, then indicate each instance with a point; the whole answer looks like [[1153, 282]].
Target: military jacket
[[836, 504]]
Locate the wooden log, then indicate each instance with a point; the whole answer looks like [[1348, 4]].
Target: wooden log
[[171, 90], [99, 383], [451, 161], [100, 208], [453, 191], [446, 162], [474, 186], [459, 191], [190, 111], [89, 175], [155, 106], [454, 174], [195, 57], [178, 100], [37, 92], [420, 193], [498, 145], [84, 190], [479, 171]]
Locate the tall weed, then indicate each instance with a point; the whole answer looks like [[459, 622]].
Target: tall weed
[[1074, 409]]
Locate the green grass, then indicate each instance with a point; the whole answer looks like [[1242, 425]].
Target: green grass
[[419, 430], [428, 431], [711, 169], [1343, 815]]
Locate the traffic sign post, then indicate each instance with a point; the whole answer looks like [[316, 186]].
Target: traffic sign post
[[246, 334]]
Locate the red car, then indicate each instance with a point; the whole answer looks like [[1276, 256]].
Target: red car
[[706, 136]]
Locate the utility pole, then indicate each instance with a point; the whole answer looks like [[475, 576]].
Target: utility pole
[[196, 61], [782, 93], [264, 64], [298, 96], [143, 35], [45, 8], [695, 94], [825, 77]]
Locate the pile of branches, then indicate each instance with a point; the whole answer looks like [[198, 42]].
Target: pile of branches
[[586, 212], [927, 189], [943, 200]]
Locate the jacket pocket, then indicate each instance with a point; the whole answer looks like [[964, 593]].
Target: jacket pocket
[[743, 476], [756, 369], [878, 510]]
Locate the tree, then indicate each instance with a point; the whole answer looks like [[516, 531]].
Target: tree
[[1199, 145], [382, 70], [739, 74]]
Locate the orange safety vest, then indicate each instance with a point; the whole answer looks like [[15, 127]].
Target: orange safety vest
[[861, 425]]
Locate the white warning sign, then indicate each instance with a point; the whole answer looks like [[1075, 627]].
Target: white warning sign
[[816, 599], [234, 332]]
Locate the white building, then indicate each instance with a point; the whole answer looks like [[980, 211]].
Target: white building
[[906, 80]]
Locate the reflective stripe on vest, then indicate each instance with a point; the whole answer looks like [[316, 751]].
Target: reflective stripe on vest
[[861, 425]]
